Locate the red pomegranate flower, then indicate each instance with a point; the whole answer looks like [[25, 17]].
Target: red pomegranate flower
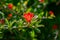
[[51, 12], [28, 16], [10, 6], [2, 21], [9, 15], [54, 27], [41, 0]]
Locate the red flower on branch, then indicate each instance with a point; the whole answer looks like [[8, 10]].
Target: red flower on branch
[[41, 1], [28, 16], [9, 15], [54, 27], [51, 12], [2, 21], [10, 6]]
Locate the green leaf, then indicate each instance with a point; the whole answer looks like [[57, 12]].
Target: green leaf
[[32, 34], [29, 9], [6, 21], [11, 23], [40, 15]]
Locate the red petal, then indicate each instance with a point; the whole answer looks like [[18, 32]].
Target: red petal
[[10, 15], [25, 15], [51, 12], [54, 27], [2, 21], [28, 16], [10, 6], [41, 0]]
